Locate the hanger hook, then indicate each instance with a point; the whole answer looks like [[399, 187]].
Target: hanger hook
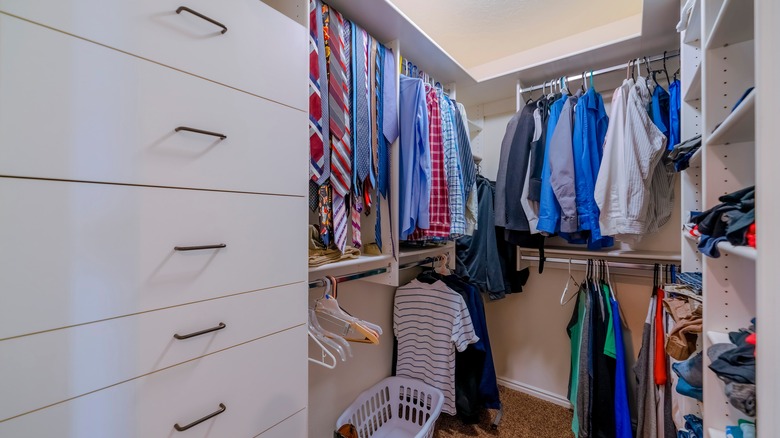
[[328, 287], [334, 286]]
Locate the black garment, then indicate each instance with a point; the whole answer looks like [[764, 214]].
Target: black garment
[[478, 256], [517, 168], [537, 153], [488, 383], [476, 385], [737, 364], [603, 405]]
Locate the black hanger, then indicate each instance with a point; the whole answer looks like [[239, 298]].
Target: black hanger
[[666, 72]]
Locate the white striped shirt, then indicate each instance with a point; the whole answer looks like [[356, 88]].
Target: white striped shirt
[[431, 321], [634, 195]]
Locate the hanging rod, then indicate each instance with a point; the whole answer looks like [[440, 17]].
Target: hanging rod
[[576, 77], [422, 262], [619, 265], [350, 277]]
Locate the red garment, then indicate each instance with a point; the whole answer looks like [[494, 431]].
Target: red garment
[[660, 338], [439, 209], [751, 235], [751, 339]]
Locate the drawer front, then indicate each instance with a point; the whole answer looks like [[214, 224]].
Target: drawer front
[[97, 355], [77, 252], [263, 52], [260, 383], [73, 110], [292, 427]]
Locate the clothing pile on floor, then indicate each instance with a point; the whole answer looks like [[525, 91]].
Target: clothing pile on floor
[[735, 364], [733, 220]]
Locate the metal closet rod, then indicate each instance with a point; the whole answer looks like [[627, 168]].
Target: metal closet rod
[[344, 278], [620, 265], [577, 77], [320, 282]]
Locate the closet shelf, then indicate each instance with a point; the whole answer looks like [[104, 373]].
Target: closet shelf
[[693, 33], [364, 262], [660, 256], [739, 126], [694, 89], [695, 161], [718, 337], [474, 127], [688, 236], [734, 24], [715, 433], [747, 252], [407, 255]]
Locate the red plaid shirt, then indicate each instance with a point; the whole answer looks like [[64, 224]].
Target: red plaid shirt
[[439, 209]]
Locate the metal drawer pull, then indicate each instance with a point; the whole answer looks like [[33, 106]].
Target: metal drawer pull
[[200, 131], [222, 409], [202, 332], [198, 248], [198, 14]]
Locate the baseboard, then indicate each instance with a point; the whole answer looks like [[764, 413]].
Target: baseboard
[[535, 392]]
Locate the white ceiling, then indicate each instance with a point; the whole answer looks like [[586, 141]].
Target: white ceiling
[[570, 36], [476, 32]]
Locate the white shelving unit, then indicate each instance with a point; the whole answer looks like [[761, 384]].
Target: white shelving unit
[[691, 125], [715, 75]]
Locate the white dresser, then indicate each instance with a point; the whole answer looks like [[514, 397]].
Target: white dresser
[[152, 219]]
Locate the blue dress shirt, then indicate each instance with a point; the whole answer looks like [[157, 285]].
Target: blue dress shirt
[[415, 156], [590, 128], [549, 209]]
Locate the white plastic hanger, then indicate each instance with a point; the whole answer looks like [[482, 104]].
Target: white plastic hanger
[[566, 288], [352, 329], [325, 354], [335, 341]]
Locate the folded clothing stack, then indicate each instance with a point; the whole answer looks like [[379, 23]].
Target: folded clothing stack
[[694, 427], [729, 221], [682, 153], [735, 364], [745, 429]]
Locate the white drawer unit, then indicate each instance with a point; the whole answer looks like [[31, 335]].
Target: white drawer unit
[[94, 356], [252, 54], [259, 384], [73, 110], [292, 427], [77, 252]]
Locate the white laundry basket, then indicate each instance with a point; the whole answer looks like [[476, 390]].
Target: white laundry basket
[[396, 407]]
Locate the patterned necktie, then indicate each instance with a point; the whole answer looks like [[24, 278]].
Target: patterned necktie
[[357, 208], [326, 215], [341, 151], [362, 122], [317, 155], [381, 144], [375, 132]]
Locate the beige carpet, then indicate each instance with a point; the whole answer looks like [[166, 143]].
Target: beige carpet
[[524, 417]]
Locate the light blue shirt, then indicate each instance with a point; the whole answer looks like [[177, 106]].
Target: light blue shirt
[[590, 128], [549, 209], [415, 157]]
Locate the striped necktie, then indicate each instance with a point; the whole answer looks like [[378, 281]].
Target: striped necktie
[[319, 129], [341, 150], [363, 120], [318, 159]]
